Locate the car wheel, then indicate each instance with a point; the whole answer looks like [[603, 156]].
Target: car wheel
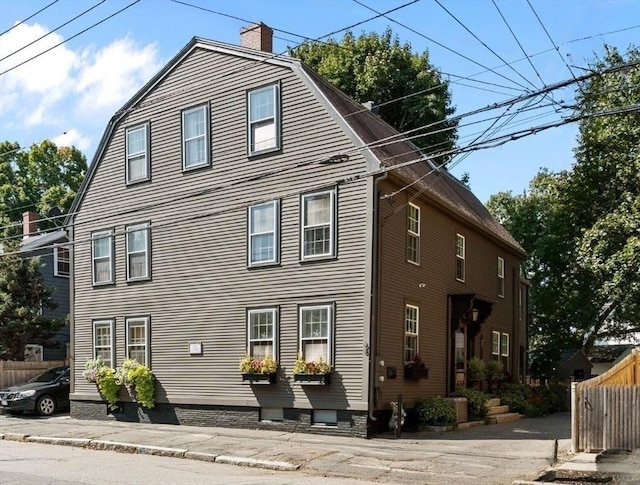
[[46, 406]]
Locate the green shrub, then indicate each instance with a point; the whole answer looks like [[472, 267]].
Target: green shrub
[[435, 411], [495, 370], [523, 399], [476, 402], [477, 369], [140, 380], [108, 385]]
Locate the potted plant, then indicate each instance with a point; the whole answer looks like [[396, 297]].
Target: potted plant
[[476, 372], [436, 413], [317, 372], [105, 378], [258, 371], [139, 380], [495, 374], [415, 369]]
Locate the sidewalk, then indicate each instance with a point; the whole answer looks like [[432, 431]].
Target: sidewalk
[[496, 454]]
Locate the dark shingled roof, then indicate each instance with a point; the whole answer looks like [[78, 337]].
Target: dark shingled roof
[[440, 186], [607, 353]]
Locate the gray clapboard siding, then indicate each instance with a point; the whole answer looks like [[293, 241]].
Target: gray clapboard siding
[[200, 286]]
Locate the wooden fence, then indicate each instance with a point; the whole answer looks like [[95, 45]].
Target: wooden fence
[[605, 410], [18, 372]]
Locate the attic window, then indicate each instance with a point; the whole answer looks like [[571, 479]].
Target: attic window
[[264, 119], [137, 147]]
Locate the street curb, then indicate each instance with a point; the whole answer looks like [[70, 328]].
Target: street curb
[[251, 462], [152, 450], [78, 442]]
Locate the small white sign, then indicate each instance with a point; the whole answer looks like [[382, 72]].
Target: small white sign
[[195, 348]]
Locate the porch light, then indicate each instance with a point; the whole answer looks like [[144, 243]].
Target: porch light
[[474, 314]]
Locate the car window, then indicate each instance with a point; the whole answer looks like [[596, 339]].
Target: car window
[[49, 375]]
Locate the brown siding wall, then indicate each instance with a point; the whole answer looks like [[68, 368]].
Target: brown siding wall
[[201, 286], [428, 286]]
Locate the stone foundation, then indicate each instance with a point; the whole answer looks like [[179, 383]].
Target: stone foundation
[[350, 423]]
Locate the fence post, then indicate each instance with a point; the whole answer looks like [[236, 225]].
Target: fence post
[[575, 418]]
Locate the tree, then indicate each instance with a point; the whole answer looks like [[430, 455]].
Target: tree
[[581, 228], [22, 298], [378, 68], [39, 179]]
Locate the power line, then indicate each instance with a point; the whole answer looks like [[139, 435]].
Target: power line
[[52, 31], [70, 38], [29, 17], [483, 43], [518, 42]]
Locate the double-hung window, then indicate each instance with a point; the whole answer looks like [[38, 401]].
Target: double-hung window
[[460, 256], [103, 331], [195, 137], [262, 332], [316, 332], [504, 345], [411, 328], [413, 234], [495, 343], [318, 224], [263, 233], [264, 123], [61, 266], [102, 257], [137, 148], [137, 245], [500, 277], [138, 339]]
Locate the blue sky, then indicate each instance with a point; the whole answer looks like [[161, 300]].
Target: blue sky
[[69, 93]]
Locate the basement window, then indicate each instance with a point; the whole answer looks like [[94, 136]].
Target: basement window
[[325, 417]]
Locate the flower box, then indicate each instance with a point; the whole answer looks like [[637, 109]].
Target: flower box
[[312, 379], [415, 373], [263, 379]]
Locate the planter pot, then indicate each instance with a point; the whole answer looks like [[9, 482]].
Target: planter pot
[[258, 379], [312, 379], [415, 373]]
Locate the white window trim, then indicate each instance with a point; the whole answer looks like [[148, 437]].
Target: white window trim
[[332, 226], [504, 337], [96, 235], [330, 316], [501, 281], [495, 334], [461, 257], [147, 150], [276, 120], [112, 349], [206, 135], [134, 228], [412, 334], [275, 231], [56, 271], [147, 337], [274, 339], [411, 234]]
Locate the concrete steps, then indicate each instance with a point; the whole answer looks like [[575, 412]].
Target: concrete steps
[[498, 413]]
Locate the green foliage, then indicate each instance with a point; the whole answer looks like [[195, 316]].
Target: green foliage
[[318, 366], [476, 402], [108, 385], [535, 401], [91, 369], [43, 177], [140, 380], [581, 228], [476, 369], [435, 411], [266, 365], [374, 67], [495, 370], [23, 295]]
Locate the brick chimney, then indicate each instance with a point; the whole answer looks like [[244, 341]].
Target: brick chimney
[[257, 36], [29, 224]]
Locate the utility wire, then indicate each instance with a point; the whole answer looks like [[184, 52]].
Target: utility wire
[[518, 42], [70, 38], [52, 31], [29, 17]]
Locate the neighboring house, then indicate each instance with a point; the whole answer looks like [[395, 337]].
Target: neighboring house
[[574, 365], [234, 204], [604, 357], [53, 250]]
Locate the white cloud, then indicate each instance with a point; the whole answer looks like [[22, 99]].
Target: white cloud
[[111, 76], [72, 137]]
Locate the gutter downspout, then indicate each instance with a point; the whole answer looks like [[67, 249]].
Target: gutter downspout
[[373, 337]]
